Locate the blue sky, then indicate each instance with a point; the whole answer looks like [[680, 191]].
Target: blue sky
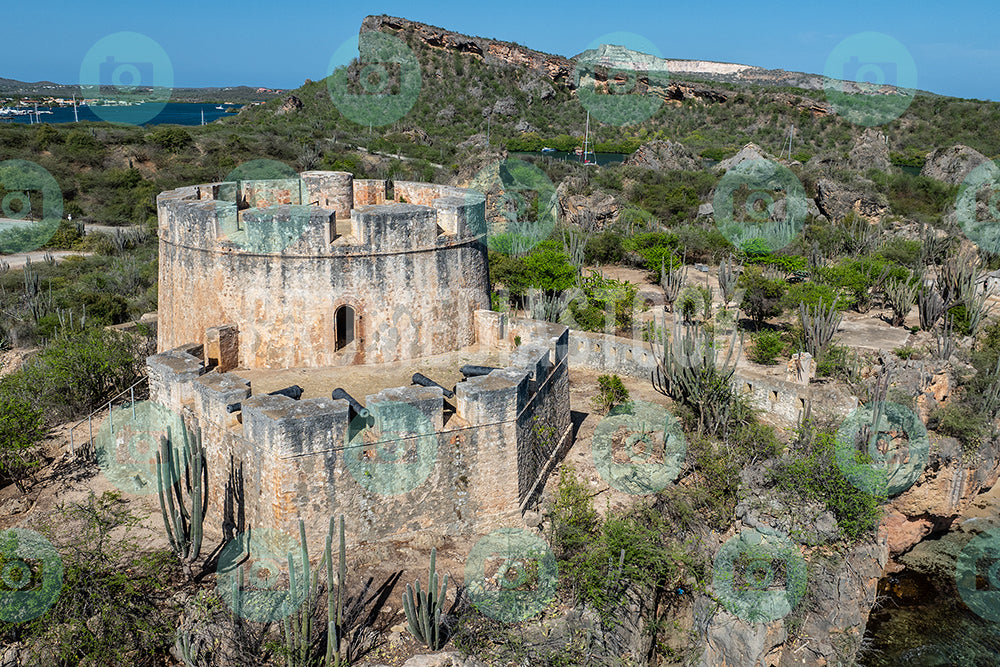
[[956, 46]]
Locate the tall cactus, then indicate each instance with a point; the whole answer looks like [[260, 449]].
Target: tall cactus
[[930, 306], [728, 275], [299, 626], [184, 525], [671, 279], [423, 610], [900, 296], [819, 323], [689, 371]]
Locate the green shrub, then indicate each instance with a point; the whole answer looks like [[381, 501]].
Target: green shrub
[[767, 345], [21, 428], [762, 299], [960, 420], [811, 472], [603, 248], [610, 392]]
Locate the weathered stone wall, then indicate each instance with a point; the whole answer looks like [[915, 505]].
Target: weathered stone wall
[[414, 274], [287, 459], [781, 399]]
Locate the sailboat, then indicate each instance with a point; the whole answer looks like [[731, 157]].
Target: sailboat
[[586, 152]]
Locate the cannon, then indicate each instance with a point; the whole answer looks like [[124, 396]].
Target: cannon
[[294, 392], [471, 370], [358, 409], [424, 381]]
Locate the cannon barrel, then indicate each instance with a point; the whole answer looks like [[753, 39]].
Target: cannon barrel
[[294, 392], [471, 370], [357, 408], [424, 381]]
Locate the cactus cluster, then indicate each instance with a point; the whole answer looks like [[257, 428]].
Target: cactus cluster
[[298, 627], [423, 608], [671, 279], [183, 519], [900, 296], [688, 371], [819, 323]]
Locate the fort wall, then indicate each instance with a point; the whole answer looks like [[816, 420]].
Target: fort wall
[[278, 258]]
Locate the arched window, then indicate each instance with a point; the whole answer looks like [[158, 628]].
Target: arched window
[[344, 327]]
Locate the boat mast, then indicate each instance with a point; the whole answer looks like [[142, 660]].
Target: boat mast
[[76, 114]]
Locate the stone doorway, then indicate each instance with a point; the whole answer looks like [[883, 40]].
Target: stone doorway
[[344, 327]]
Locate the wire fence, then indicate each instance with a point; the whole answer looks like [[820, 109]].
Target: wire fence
[[81, 434]]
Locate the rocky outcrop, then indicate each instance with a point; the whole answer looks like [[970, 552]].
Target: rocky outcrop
[[952, 165], [749, 152], [289, 105], [491, 51], [871, 151], [592, 212], [534, 86], [664, 156], [835, 201]]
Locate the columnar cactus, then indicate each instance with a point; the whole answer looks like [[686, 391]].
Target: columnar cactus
[[184, 525], [818, 326], [423, 610]]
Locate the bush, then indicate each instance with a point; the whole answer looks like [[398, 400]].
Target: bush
[[812, 473], [603, 248], [115, 605], [767, 345], [611, 391], [21, 428], [959, 420], [762, 299]]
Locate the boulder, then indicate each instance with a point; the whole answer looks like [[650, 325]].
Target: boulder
[[835, 201], [533, 86], [664, 156], [525, 126], [749, 152], [871, 151], [952, 165], [289, 105], [503, 107]]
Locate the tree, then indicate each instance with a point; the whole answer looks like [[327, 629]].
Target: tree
[[763, 295], [21, 427]]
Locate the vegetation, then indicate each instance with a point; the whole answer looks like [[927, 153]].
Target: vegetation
[[611, 391]]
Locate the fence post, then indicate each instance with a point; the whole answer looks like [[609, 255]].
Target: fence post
[[131, 391]]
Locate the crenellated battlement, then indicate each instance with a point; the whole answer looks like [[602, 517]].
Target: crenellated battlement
[[321, 213], [304, 454]]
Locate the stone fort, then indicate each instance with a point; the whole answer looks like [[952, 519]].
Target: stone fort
[[330, 282]]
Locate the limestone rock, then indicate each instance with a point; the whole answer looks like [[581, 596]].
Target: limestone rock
[[749, 152], [525, 126], [871, 151], [835, 201], [534, 86], [592, 212], [443, 659], [289, 105], [503, 107], [664, 156], [445, 116], [952, 165]]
